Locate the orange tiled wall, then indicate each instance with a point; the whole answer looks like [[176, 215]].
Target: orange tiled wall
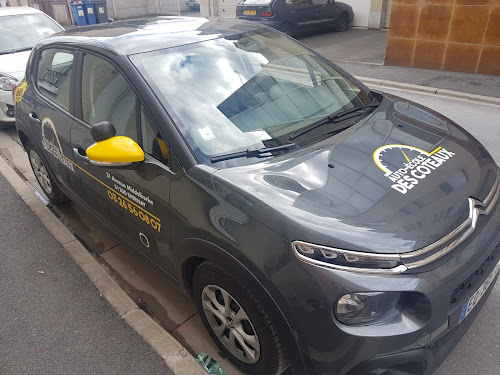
[[459, 35]]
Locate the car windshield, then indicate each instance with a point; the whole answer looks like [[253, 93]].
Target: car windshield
[[246, 91], [20, 32]]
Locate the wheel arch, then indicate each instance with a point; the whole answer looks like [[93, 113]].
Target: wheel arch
[[345, 12], [291, 25], [191, 252]]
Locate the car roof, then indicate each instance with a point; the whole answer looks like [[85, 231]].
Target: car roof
[[8, 11], [134, 36]]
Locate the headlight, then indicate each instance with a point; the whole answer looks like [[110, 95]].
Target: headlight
[[365, 308], [7, 82], [349, 260]]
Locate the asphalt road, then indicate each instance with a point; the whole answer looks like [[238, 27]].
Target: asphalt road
[[52, 318], [478, 353]]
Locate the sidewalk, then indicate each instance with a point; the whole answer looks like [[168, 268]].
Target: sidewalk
[[361, 52], [53, 319]]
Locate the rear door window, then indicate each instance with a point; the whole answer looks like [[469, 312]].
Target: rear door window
[[54, 75]]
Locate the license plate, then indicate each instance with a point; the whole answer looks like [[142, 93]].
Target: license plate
[[476, 297], [249, 12]]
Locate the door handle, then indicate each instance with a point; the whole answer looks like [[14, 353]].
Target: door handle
[[34, 117], [80, 154], [292, 13]]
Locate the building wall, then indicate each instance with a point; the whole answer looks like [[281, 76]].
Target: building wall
[[456, 35], [361, 9], [140, 8]]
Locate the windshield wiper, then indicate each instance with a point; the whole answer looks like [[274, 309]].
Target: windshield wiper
[[329, 119], [250, 153]]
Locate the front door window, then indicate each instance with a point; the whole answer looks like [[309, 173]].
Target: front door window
[[107, 96]]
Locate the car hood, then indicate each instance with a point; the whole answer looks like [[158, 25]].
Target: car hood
[[14, 63], [395, 182]]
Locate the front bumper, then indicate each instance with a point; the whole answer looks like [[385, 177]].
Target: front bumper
[[420, 361], [409, 343], [6, 106]]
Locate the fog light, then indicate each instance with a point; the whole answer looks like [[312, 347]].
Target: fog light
[[366, 308], [10, 110]]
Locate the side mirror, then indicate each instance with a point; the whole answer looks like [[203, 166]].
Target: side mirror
[[111, 150], [102, 130]]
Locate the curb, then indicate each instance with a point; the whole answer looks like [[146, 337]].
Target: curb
[[176, 357], [430, 90]]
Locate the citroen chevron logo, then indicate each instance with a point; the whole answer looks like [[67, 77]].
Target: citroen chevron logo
[[476, 208]]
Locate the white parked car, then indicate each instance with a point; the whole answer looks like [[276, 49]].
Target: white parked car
[[20, 29]]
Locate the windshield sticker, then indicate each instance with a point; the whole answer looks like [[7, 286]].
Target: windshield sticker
[[414, 164], [51, 144], [206, 133]]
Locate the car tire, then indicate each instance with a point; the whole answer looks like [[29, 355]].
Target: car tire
[[286, 28], [44, 177], [343, 22], [245, 333]]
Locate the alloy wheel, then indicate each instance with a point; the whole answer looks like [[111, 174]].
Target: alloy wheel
[[231, 324], [41, 173]]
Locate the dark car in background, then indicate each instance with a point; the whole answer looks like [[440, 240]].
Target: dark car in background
[[319, 225], [296, 16]]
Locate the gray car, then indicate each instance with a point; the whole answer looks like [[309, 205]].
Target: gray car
[[320, 226]]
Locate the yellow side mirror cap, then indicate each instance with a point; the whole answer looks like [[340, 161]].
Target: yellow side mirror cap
[[115, 151]]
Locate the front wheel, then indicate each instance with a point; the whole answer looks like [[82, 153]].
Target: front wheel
[[43, 176], [237, 321], [343, 22], [286, 28]]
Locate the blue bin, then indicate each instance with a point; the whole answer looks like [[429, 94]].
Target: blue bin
[[78, 13], [89, 8]]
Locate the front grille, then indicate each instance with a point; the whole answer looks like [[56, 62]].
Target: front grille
[[472, 281], [435, 250]]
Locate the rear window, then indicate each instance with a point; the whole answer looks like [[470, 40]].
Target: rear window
[[54, 75]]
